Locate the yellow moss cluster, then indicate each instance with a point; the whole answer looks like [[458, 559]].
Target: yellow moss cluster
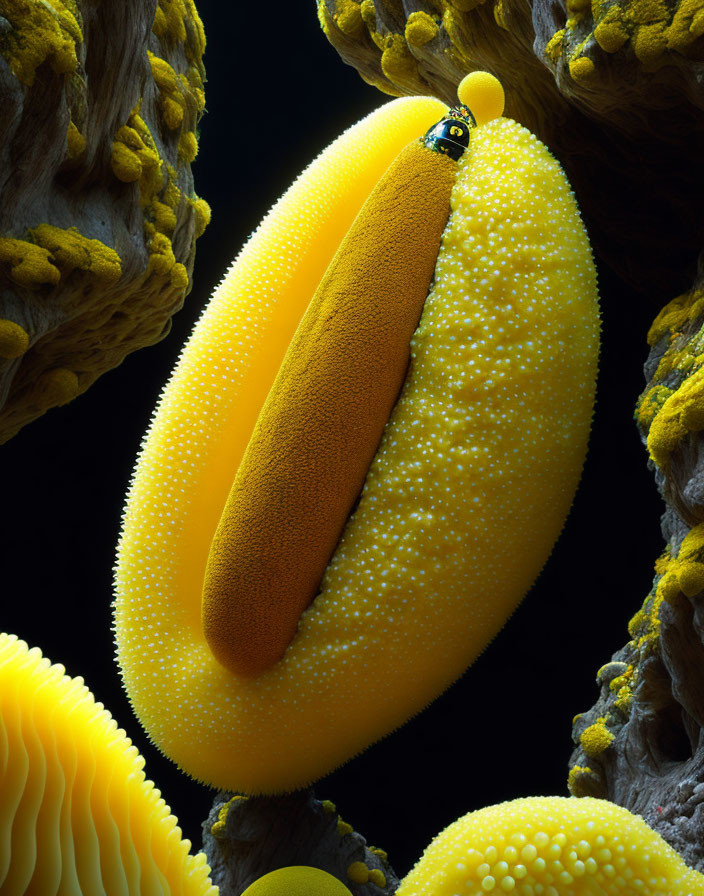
[[181, 95], [135, 154], [177, 21], [644, 629], [29, 265], [348, 17], [412, 49], [650, 29], [57, 386], [554, 46], [14, 339], [622, 686], [343, 828], [682, 572], [48, 254], [581, 67], [672, 406], [654, 27], [47, 257], [420, 29], [219, 827], [75, 142], [398, 64], [672, 575], [582, 781], [685, 571], [41, 31], [70, 250], [677, 315], [135, 157], [679, 415], [597, 738], [181, 99], [359, 873]]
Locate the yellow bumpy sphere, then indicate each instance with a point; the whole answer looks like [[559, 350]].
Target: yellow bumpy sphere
[[465, 492], [483, 94], [77, 815], [551, 846], [297, 880]]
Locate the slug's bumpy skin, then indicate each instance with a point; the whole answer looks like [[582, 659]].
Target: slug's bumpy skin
[[462, 503], [77, 815], [551, 846], [306, 462]]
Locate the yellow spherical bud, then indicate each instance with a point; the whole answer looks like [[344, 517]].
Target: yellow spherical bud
[[483, 94], [297, 880]]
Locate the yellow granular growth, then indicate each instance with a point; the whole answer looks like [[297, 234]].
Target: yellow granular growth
[[672, 424], [559, 846], [420, 29], [596, 738], [40, 31], [467, 493], [14, 339], [77, 814]]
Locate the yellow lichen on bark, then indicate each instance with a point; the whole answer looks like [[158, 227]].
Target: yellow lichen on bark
[[88, 294], [679, 415], [40, 32]]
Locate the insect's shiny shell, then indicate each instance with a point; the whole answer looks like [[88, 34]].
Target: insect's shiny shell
[[451, 135]]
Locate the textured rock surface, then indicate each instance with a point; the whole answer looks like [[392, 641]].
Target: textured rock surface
[[98, 218], [246, 837], [641, 744]]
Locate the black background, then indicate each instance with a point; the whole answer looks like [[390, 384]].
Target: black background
[[278, 93]]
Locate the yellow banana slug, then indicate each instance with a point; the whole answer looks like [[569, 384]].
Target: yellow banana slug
[[306, 462], [77, 815], [554, 846], [461, 499]]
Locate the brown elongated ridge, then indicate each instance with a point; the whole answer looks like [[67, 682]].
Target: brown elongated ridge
[[320, 426]]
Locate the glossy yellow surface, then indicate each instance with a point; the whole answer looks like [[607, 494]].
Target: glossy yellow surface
[[297, 880]]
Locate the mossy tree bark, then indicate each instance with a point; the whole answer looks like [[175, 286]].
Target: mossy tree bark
[[98, 219], [246, 837]]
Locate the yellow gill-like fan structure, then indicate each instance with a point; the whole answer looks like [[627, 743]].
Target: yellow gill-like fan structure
[[77, 815], [551, 846], [252, 685]]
